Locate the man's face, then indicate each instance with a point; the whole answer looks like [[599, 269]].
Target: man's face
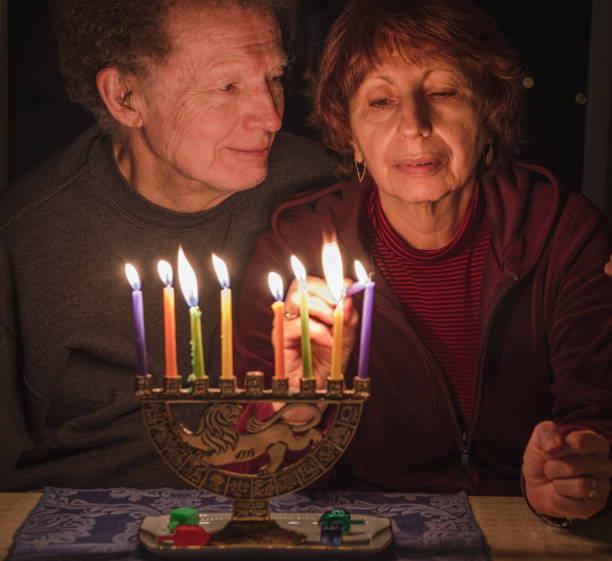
[[211, 110]]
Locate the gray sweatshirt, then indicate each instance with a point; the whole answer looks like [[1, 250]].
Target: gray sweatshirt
[[68, 412]]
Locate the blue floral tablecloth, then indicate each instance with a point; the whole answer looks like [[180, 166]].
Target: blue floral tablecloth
[[73, 524]]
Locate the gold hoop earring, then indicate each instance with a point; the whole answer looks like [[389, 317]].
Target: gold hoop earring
[[490, 154], [360, 168]]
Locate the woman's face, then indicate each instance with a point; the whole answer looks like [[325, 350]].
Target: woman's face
[[418, 129]]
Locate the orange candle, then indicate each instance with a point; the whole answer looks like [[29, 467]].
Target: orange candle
[[165, 272], [278, 308]]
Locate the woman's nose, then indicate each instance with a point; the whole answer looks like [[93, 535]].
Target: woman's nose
[[414, 117]]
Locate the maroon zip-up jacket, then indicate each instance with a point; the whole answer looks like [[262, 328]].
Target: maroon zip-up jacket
[[546, 336]]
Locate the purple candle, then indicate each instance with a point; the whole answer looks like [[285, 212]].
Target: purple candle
[[354, 288], [141, 351], [366, 319]]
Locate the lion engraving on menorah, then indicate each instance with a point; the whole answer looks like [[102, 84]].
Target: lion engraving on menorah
[[221, 444]]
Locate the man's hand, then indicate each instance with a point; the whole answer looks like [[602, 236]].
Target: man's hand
[[321, 310], [566, 477]]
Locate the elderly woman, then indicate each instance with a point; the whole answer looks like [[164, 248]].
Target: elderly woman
[[189, 99], [491, 349]]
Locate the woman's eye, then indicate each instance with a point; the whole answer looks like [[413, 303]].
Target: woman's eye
[[228, 88], [380, 103], [443, 94]]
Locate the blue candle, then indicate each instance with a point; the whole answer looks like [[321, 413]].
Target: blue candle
[[366, 319], [141, 350]]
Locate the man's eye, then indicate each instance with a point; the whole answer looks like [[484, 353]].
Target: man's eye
[[279, 76], [380, 103], [228, 88]]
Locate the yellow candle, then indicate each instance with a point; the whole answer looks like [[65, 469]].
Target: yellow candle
[[278, 308], [332, 267], [189, 286], [300, 275], [227, 348], [336, 363], [165, 272]]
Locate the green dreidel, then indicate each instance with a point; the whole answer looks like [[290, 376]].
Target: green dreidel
[[183, 515]]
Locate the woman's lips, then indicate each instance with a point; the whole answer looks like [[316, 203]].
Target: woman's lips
[[421, 165]]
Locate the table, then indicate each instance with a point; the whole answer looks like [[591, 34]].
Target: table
[[512, 530]]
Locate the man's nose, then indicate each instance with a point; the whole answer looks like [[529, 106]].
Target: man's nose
[[266, 110]]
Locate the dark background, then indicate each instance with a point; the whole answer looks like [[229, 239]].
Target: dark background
[[552, 38]]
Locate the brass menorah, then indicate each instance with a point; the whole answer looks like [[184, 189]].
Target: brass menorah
[[205, 458]]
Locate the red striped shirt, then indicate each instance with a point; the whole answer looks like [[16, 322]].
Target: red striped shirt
[[440, 293]]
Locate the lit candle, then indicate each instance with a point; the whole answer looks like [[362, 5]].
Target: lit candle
[[141, 350], [165, 273], [189, 286], [366, 319], [227, 349], [300, 275], [332, 268], [278, 308]]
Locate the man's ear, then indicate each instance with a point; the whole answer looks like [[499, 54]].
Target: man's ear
[[116, 93]]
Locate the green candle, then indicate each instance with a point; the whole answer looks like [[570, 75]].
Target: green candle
[[189, 286], [197, 351], [300, 275]]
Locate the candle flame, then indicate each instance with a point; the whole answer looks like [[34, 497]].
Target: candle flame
[[332, 267], [187, 280], [298, 270], [275, 282], [360, 272], [132, 276], [221, 270], [165, 272]]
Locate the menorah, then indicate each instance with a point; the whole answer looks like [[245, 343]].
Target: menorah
[[207, 458]]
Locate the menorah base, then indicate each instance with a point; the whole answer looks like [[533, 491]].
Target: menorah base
[[249, 534], [285, 534]]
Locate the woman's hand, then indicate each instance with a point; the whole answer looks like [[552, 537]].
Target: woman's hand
[[566, 476], [608, 267], [321, 311]]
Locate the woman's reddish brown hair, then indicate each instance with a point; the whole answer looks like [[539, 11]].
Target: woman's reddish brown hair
[[455, 30]]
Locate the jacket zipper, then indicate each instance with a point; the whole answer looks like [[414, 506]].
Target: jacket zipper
[[465, 450], [466, 437]]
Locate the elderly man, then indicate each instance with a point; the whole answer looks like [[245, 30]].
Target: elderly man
[[189, 99]]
